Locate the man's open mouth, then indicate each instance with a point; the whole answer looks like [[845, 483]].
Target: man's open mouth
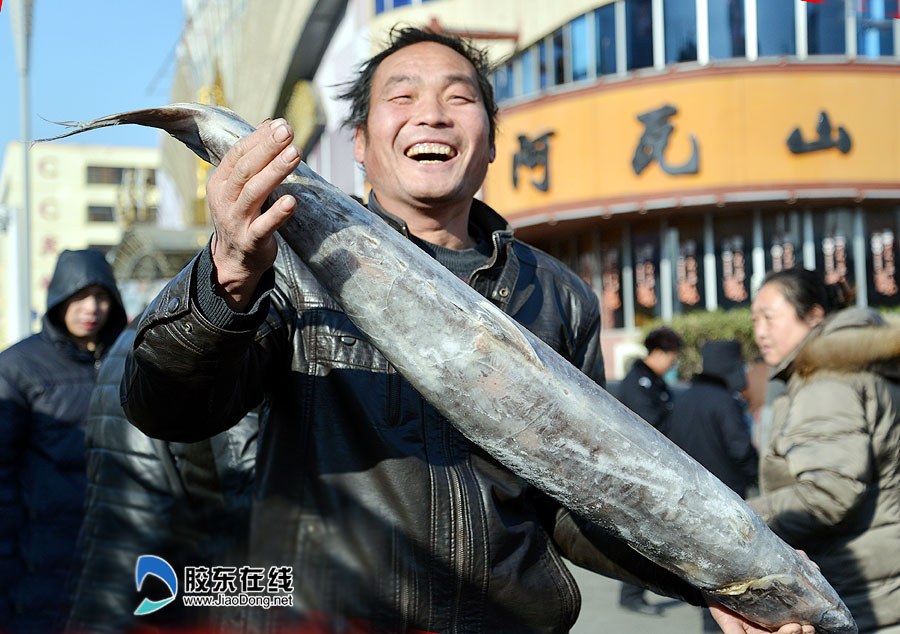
[[431, 152]]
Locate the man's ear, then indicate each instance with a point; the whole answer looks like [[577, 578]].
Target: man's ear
[[359, 145], [493, 154]]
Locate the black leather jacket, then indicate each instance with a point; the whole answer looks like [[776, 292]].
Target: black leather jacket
[[186, 503], [387, 513]]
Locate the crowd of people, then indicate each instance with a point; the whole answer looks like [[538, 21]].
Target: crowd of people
[[243, 418]]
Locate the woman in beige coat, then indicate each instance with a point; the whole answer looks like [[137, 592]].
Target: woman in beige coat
[[830, 475]]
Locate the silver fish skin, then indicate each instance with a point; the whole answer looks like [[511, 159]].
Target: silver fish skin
[[514, 396]]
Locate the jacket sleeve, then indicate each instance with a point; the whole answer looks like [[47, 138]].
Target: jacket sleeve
[[828, 456], [587, 355], [593, 548], [14, 417], [189, 376]]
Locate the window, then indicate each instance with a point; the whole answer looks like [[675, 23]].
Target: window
[[775, 27], [559, 58], [726, 29], [645, 262], [687, 267], [503, 82], [874, 30], [825, 33], [781, 241], [733, 260], [680, 19], [882, 226], [386, 5], [101, 213], [639, 33], [527, 69], [611, 302], [605, 39], [103, 175], [833, 231], [543, 80], [579, 48]]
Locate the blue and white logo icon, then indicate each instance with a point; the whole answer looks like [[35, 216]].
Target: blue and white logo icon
[[158, 567]]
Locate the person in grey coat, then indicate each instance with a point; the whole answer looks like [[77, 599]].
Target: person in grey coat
[[830, 474]]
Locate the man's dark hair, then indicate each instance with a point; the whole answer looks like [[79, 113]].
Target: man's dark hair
[[358, 92], [663, 338]]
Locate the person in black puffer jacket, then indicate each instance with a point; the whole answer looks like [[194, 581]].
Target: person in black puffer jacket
[[187, 503], [708, 422], [45, 386]]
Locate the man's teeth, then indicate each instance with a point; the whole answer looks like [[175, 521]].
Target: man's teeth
[[430, 152]]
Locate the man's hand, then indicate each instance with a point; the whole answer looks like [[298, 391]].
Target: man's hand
[[734, 623], [244, 246]]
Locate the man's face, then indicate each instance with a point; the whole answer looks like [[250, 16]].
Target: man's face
[[426, 142], [86, 312]]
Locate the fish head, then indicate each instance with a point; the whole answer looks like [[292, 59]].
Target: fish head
[[800, 596]]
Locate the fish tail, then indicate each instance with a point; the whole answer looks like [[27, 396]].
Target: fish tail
[[181, 120]]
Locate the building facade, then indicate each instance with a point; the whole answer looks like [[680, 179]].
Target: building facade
[[82, 196], [674, 151]]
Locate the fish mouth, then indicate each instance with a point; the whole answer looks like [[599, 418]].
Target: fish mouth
[[431, 152], [836, 622]]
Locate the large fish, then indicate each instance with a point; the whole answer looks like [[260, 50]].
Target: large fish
[[517, 398]]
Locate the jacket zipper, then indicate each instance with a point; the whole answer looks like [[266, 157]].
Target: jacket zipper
[[460, 530]]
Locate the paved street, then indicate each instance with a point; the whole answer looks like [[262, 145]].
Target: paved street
[[601, 614]]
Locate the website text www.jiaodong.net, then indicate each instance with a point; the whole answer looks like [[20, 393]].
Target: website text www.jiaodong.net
[[265, 601]]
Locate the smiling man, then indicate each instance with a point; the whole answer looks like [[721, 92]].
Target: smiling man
[[391, 519]]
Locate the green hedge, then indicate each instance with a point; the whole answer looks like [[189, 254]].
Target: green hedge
[[701, 326], [698, 327]]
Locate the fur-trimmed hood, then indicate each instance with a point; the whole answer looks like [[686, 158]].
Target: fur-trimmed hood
[[851, 340]]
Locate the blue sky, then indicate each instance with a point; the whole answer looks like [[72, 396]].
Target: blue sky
[[90, 59]]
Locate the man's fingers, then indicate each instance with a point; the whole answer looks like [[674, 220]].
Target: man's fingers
[[255, 191], [252, 155], [268, 223]]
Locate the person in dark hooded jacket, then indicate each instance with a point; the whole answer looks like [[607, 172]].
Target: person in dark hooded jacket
[[45, 385], [708, 422]]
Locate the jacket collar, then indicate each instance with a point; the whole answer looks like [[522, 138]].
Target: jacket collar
[[656, 379], [499, 287], [850, 340], [488, 221]]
